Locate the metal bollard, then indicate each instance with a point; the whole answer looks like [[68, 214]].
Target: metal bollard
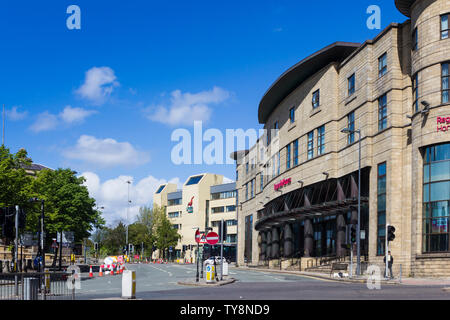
[[129, 284]]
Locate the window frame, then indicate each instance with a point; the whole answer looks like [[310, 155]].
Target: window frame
[[310, 145], [288, 156], [379, 238], [292, 115], [442, 82], [382, 69], [296, 155], [415, 39], [316, 99], [416, 92], [443, 31], [351, 89], [381, 124], [321, 140], [351, 126]]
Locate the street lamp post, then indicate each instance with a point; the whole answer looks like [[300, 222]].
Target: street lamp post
[[358, 226], [128, 209]]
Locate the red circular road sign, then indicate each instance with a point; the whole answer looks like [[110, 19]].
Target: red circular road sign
[[197, 236], [212, 238]]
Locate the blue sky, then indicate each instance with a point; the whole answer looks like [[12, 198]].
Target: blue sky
[[104, 100]]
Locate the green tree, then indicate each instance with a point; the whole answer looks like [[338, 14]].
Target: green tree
[[165, 234], [115, 239], [68, 206]]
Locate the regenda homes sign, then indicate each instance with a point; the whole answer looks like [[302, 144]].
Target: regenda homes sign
[[443, 124]]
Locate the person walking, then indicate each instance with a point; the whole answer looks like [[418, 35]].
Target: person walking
[[390, 263]]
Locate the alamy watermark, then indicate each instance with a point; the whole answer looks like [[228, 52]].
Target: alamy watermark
[[374, 20], [74, 20], [213, 146]]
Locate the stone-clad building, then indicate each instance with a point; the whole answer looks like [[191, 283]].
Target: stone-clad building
[[298, 186]]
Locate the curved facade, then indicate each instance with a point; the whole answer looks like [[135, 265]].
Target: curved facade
[[298, 187]]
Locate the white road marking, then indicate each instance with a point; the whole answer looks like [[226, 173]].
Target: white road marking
[[170, 273]]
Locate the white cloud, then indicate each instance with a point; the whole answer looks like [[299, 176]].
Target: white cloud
[[106, 152], [47, 121], [44, 122], [71, 115], [15, 115], [113, 194], [185, 108], [98, 85]]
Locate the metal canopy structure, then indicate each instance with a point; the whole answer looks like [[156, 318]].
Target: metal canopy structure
[[322, 199]]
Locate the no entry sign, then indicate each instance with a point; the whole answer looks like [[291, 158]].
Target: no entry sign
[[212, 238], [197, 236]]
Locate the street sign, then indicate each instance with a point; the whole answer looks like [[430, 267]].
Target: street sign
[[203, 239], [212, 238], [197, 236]]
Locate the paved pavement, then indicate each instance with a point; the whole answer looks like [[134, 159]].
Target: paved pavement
[[159, 282]]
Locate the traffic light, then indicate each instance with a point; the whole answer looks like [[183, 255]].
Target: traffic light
[[22, 218], [353, 234], [95, 246], [8, 223], [124, 250], [391, 235], [224, 230]]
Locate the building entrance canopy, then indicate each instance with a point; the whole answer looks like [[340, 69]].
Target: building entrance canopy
[[324, 198]]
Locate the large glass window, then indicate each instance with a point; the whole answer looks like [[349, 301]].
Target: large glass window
[[194, 180], [253, 188], [381, 209], [296, 152], [436, 198], [415, 39], [321, 140], [444, 26], [311, 145], [382, 112], [351, 126], [262, 181], [445, 88], [174, 202], [288, 156], [382, 65]]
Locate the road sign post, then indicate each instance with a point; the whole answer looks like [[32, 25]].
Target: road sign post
[[197, 239], [221, 250]]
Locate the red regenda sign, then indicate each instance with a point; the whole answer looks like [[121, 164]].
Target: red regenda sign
[[443, 124], [282, 183]]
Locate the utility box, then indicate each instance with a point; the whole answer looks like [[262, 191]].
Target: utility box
[[129, 284], [210, 273]]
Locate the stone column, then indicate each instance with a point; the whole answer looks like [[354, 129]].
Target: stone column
[[340, 235], [288, 240], [268, 252], [262, 255], [309, 238], [275, 244]]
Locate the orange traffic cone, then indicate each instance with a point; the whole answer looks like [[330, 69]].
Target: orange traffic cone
[[112, 270], [100, 274], [91, 275]]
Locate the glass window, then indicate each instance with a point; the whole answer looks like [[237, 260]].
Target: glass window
[[351, 126], [445, 88], [381, 209], [296, 152], [415, 39], [246, 167], [444, 26], [288, 156], [174, 202], [351, 85], [321, 140], [382, 65], [275, 129], [160, 189], [218, 210], [292, 115], [237, 175], [262, 181], [436, 198], [230, 208], [194, 180], [278, 163], [311, 145], [253, 188], [316, 99], [246, 191], [382, 112]]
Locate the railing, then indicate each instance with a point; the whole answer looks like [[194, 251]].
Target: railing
[[36, 286]]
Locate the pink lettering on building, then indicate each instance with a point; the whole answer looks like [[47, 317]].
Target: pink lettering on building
[[282, 183]]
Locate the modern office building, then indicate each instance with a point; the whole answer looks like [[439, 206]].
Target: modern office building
[[202, 203], [298, 186]]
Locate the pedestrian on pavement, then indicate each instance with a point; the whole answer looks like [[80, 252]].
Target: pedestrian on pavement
[[390, 263]]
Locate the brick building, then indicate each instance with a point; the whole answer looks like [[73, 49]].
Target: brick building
[[298, 186]]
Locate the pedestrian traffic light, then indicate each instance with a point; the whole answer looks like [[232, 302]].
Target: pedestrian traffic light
[[353, 234], [391, 235]]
